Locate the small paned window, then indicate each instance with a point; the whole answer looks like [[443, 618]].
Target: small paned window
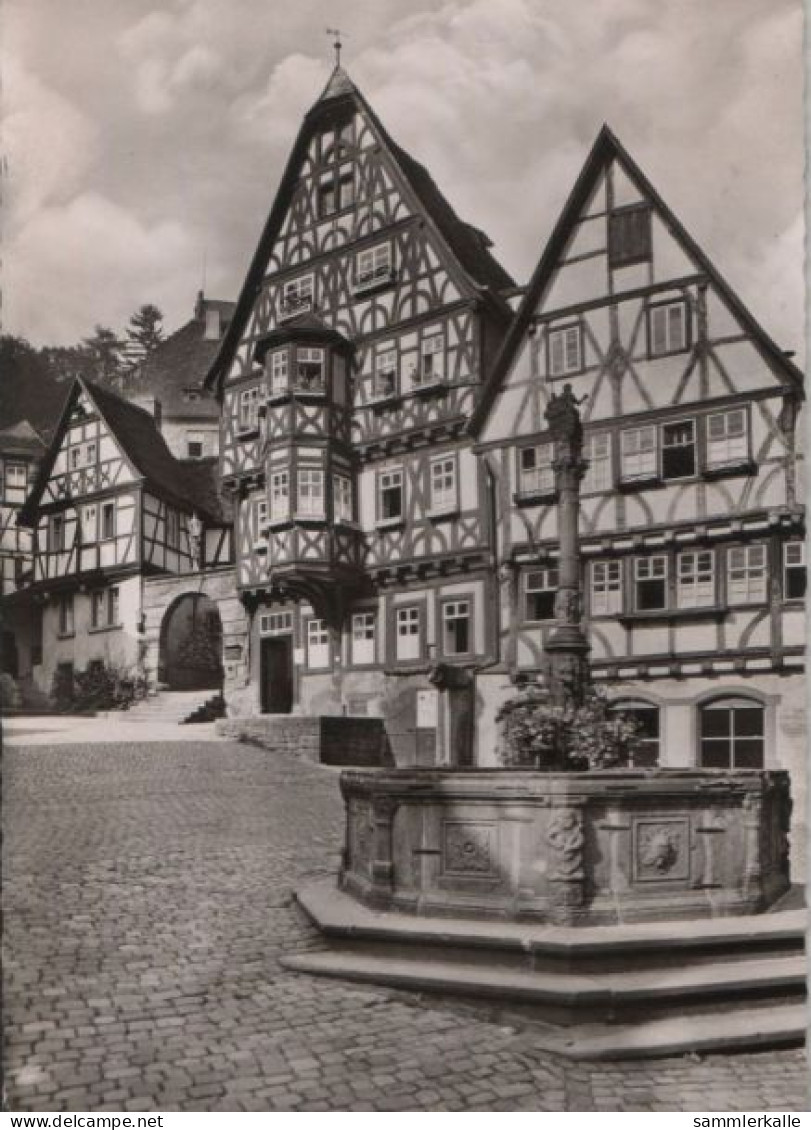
[[249, 409], [390, 495], [408, 633], [444, 496], [97, 608], [279, 372], [75, 458], [629, 236], [275, 623], [108, 520], [310, 370], [650, 583], [727, 438], [667, 328], [194, 445], [317, 643], [89, 524], [373, 264], [597, 450], [456, 627], [57, 532], [432, 359], [639, 453], [746, 574], [363, 638], [327, 195], [695, 579], [732, 734], [794, 575], [647, 747], [90, 454], [336, 190], [279, 495], [679, 450], [565, 350], [310, 492], [540, 587], [261, 513], [297, 296], [16, 482], [606, 588], [172, 528], [342, 498], [535, 472], [385, 375], [66, 624], [112, 607]]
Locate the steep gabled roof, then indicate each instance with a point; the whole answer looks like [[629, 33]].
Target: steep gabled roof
[[606, 148], [134, 429], [21, 439], [469, 245]]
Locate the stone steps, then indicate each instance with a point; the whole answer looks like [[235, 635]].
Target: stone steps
[[174, 707], [688, 986]]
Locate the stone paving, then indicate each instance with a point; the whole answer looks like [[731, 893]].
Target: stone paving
[[147, 897]]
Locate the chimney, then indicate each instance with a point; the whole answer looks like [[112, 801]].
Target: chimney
[[199, 306]]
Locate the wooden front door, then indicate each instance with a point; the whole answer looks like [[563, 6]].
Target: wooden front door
[[277, 674]]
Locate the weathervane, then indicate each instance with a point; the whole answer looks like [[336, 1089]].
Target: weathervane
[[336, 31]]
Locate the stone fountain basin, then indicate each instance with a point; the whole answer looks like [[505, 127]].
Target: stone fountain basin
[[593, 848]]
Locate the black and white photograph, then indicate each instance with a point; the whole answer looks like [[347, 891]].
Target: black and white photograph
[[403, 557]]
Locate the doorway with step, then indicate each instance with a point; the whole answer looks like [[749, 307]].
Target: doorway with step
[[276, 674]]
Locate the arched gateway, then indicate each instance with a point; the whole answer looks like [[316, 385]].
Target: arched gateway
[[191, 644]]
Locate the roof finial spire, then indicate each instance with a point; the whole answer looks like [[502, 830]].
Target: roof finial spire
[[336, 31]]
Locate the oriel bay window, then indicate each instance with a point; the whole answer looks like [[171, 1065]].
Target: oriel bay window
[[310, 492], [540, 586], [695, 579], [679, 450], [279, 366], [444, 493], [606, 588], [597, 450], [727, 438], [362, 651], [317, 644], [342, 498], [456, 628], [408, 645], [732, 734], [746, 574], [650, 583], [535, 473], [668, 328], [565, 346], [279, 495], [390, 500], [794, 574]]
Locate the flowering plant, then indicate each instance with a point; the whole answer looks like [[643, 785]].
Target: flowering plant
[[572, 737]]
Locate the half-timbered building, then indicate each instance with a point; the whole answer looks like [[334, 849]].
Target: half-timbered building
[[355, 356], [110, 508], [691, 518]]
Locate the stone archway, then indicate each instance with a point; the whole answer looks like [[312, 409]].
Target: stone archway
[[190, 657]]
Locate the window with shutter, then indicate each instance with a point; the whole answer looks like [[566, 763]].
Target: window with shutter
[[565, 350], [629, 236]]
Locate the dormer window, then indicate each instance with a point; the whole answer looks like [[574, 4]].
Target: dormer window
[[310, 370], [629, 236], [565, 346], [297, 296], [373, 267]]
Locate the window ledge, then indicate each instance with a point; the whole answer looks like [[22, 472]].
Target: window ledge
[[360, 288], [534, 497], [302, 308], [708, 612], [277, 523], [643, 482], [389, 523], [106, 628], [310, 517], [66, 635], [434, 386], [439, 515], [727, 470]]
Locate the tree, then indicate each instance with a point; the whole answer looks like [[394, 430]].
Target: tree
[[104, 350], [145, 328]]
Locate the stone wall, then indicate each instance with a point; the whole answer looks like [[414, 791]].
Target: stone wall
[[332, 740], [220, 585]]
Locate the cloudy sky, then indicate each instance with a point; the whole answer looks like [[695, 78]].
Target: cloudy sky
[[144, 136]]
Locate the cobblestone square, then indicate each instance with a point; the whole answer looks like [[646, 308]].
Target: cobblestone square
[[148, 895]]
